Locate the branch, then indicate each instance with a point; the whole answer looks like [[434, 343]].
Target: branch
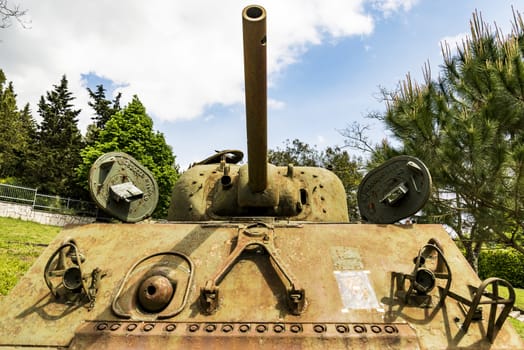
[[8, 12], [356, 138]]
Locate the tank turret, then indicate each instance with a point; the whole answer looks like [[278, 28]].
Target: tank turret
[[219, 189]]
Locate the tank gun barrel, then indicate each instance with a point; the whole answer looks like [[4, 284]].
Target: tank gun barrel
[[255, 75]]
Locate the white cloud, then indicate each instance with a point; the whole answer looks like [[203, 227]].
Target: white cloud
[[390, 6], [179, 57], [275, 104]]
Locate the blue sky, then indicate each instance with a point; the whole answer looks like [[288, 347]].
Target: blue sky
[[327, 60]]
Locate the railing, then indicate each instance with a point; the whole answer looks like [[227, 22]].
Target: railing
[[30, 196]]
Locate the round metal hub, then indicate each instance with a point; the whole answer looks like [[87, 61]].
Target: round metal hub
[[155, 293]]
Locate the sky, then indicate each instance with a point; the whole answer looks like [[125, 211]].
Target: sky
[[327, 61]]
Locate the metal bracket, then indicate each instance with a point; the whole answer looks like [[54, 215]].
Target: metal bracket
[[66, 263], [255, 235], [423, 279], [493, 299]]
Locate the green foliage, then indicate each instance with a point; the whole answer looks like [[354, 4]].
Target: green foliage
[[17, 128], [20, 244], [104, 110], [131, 131], [503, 263], [468, 127], [58, 145], [333, 158], [295, 152]]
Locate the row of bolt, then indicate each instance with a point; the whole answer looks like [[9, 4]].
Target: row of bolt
[[259, 328]]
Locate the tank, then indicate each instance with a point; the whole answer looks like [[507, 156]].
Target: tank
[[256, 256]]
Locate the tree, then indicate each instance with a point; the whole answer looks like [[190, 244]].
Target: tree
[[333, 158], [104, 110], [8, 12], [468, 127], [131, 131], [295, 152], [17, 128], [59, 144]]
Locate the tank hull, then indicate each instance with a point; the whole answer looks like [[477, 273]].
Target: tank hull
[[345, 270]]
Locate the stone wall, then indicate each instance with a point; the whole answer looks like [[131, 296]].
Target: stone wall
[[27, 213]]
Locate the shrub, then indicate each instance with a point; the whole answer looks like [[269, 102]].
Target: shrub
[[503, 263]]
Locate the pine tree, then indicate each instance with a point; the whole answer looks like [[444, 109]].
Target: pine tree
[[59, 143], [17, 129], [131, 131], [468, 127], [104, 110]]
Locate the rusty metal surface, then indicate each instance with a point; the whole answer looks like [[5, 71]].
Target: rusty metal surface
[[254, 29], [330, 261], [300, 193], [241, 335]]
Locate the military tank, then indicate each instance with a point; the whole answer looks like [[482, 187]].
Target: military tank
[[256, 256]]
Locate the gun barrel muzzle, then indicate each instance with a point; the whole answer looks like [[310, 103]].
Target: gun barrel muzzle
[[255, 78]]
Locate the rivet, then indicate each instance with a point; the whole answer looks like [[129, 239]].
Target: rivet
[[101, 326], [359, 329], [210, 328], [319, 328], [261, 328], [193, 327], [278, 328], [114, 326], [227, 328], [342, 328], [131, 327], [376, 329], [170, 327], [148, 327], [244, 328], [390, 329], [295, 328]]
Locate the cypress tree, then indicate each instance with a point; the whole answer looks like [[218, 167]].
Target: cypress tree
[[17, 128], [104, 110], [59, 143]]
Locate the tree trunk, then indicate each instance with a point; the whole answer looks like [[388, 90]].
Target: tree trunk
[[473, 259]]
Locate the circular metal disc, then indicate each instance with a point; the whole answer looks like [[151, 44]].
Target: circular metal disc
[[123, 187], [393, 191]]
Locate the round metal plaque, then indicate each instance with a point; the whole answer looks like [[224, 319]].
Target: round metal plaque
[[393, 191], [123, 187]]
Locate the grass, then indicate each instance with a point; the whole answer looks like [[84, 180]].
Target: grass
[[518, 325], [519, 302], [21, 242]]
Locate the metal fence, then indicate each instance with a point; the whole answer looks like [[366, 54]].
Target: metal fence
[[30, 196]]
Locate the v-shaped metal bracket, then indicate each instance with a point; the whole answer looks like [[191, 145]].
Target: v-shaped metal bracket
[[255, 235]]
